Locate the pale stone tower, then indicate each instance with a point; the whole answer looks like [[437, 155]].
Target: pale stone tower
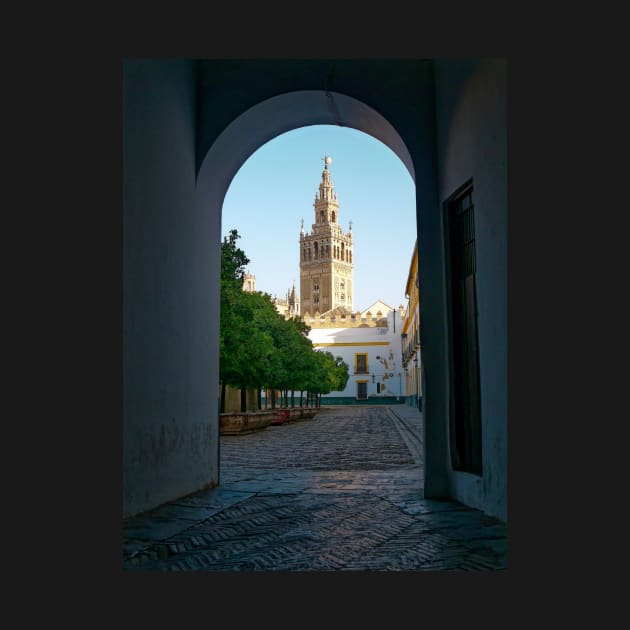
[[249, 282], [326, 267]]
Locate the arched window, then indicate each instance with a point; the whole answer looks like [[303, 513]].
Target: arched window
[[321, 216], [315, 246], [333, 217]]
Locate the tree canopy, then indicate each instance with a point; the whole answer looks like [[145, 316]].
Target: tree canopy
[[259, 348]]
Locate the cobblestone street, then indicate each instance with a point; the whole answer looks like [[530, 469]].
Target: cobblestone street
[[341, 491]]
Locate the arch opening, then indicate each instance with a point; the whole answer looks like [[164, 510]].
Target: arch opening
[[261, 124]]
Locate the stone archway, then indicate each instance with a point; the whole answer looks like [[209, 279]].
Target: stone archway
[[279, 114], [269, 119], [188, 126]]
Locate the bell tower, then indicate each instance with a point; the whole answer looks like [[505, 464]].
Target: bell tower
[[326, 267]]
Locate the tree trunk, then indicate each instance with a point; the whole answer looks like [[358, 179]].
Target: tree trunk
[[259, 398], [223, 397], [243, 399], [273, 398]]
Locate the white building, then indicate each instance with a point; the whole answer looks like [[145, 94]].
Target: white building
[[369, 343]]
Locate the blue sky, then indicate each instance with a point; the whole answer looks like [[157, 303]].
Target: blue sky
[[275, 189]]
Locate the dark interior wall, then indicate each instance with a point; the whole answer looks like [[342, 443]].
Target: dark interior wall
[[170, 436], [230, 87], [471, 107]]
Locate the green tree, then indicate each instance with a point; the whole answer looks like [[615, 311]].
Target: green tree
[[260, 348], [341, 375], [328, 373], [233, 259], [248, 348], [234, 336]]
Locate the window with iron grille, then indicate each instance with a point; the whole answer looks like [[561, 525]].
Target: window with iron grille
[[361, 364]]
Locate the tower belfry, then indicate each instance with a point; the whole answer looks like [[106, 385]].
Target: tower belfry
[[326, 267]]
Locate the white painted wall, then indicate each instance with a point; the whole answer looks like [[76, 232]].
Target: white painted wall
[[170, 281], [373, 341], [471, 109]]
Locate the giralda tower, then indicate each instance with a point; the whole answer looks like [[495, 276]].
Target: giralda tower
[[326, 268]]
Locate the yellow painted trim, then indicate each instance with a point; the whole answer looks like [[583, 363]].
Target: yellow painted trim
[[354, 343], [366, 381]]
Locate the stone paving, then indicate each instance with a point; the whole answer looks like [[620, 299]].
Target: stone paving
[[339, 492]]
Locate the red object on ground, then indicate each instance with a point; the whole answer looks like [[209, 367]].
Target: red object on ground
[[281, 416]]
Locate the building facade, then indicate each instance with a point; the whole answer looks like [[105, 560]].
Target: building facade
[[410, 336], [326, 267], [369, 343], [289, 306]]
